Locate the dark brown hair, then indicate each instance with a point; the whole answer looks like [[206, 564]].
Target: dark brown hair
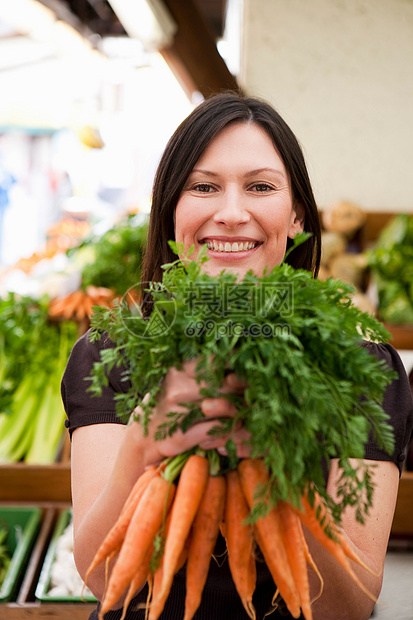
[[184, 149]]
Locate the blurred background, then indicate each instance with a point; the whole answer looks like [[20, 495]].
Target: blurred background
[[92, 89], [90, 92]]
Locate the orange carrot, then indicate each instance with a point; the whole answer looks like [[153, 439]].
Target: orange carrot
[[71, 303], [253, 475], [205, 530], [310, 562], [158, 574], [326, 518], [56, 306], [139, 487], [292, 537], [190, 489], [338, 547], [116, 534], [145, 523], [157, 589], [240, 542], [139, 579]]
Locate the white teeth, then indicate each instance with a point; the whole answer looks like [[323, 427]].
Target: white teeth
[[240, 246]]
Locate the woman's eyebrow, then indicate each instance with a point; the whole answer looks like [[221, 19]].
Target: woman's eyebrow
[[259, 170], [202, 171], [248, 173]]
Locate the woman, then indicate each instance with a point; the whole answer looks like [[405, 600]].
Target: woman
[[233, 178]]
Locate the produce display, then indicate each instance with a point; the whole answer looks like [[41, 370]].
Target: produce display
[[5, 555], [113, 260], [382, 274], [33, 355], [78, 306], [270, 331], [110, 264], [36, 335], [65, 581], [59, 579], [391, 265], [21, 526]]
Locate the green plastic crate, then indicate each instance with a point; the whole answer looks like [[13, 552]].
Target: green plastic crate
[[43, 585], [23, 525]]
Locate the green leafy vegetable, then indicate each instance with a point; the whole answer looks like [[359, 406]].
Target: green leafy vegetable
[[391, 263], [5, 556], [114, 259], [314, 391], [33, 354]]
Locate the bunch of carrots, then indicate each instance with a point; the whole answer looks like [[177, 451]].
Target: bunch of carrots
[[79, 304], [173, 519]]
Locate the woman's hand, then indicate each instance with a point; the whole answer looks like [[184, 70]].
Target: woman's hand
[[180, 386]]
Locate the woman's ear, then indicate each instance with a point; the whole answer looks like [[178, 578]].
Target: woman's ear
[[297, 221]]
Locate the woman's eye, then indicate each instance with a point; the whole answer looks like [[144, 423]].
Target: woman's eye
[[204, 188], [262, 187]]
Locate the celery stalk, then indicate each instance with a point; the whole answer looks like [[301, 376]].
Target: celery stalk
[[14, 429], [23, 392], [48, 428], [3, 361], [50, 417]]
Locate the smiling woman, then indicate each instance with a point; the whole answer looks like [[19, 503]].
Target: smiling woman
[[233, 182]]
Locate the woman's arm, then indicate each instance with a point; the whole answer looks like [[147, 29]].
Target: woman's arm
[[342, 599], [107, 459]]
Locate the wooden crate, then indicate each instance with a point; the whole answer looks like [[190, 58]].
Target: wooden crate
[[46, 486]]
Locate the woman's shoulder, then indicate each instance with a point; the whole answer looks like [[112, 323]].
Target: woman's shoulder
[[90, 345], [83, 409], [383, 350], [397, 402], [85, 353], [400, 386]]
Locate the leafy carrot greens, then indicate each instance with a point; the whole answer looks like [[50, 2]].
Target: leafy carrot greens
[[314, 391]]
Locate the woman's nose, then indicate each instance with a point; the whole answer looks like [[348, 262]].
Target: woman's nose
[[231, 209]]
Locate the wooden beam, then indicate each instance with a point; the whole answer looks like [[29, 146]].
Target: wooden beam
[[193, 56], [63, 13]]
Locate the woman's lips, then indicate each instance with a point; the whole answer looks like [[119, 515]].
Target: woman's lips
[[223, 246], [228, 251]]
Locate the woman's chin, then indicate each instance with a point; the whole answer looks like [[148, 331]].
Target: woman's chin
[[215, 269]]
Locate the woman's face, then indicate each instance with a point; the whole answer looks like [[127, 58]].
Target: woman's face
[[237, 200]]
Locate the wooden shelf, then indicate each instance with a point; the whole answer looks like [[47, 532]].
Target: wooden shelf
[[35, 483], [401, 335], [48, 611]]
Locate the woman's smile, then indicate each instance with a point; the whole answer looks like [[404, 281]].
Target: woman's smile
[[230, 245]]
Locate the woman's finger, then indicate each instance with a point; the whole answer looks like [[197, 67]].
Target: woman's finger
[[241, 439], [218, 407], [232, 380], [197, 435]]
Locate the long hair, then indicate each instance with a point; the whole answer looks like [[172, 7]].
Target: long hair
[[184, 149]]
